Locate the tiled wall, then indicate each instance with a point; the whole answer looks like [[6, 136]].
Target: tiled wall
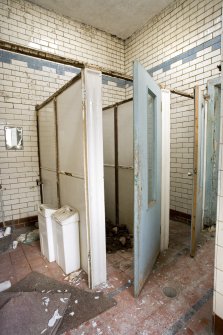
[[27, 81], [180, 47], [33, 26], [218, 282]]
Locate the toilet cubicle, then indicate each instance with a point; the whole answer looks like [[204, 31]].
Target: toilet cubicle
[[71, 162], [86, 162], [118, 163]]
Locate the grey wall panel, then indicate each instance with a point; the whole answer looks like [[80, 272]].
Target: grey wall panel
[[47, 136], [49, 187], [70, 130], [72, 191], [108, 136], [125, 157], [126, 198], [109, 159], [125, 134], [109, 177]]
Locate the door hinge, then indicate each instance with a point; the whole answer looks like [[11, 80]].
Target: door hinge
[[38, 182], [206, 97]]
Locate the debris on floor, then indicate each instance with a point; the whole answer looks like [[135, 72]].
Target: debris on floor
[[56, 316], [30, 237], [117, 237], [190, 311], [14, 244], [82, 305], [73, 277], [21, 238], [5, 285], [24, 312], [212, 229], [5, 239], [7, 231]]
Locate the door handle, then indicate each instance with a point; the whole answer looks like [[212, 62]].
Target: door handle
[[189, 174]]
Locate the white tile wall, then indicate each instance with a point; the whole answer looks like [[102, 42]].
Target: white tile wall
[[219, 257], [219, 281], [22, 87], [219, 304], [219, 232], [30, 25]]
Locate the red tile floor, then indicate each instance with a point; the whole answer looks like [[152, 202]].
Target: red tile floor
[[190, 312]]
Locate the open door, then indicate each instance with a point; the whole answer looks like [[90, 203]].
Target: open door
[[198, 169], [213, 100], [147, 174]]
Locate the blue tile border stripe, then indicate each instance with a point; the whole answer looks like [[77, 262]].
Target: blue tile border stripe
[[189, 55], [38, 64], [119, 82]]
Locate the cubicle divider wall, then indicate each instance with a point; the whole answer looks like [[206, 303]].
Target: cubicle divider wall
[[118, 163], [71, 162]]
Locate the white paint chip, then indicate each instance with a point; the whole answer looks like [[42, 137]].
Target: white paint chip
[[94, 324], [46, 301], [56, 316]]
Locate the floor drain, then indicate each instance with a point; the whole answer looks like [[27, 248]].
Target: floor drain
[[170, 292]]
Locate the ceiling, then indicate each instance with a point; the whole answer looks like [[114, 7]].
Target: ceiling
[[118, 17]]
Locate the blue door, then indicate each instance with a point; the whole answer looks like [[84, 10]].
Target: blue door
[[147, 174], [212, 149]]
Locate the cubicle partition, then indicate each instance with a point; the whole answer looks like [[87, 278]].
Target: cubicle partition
[[71, 162]]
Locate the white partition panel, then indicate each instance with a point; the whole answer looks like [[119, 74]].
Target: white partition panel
[[109, 163], [108, 137], [125, 162], [165, 178], [70, 130], [71, 158], [95, 175], [47, 136], [125, 134], [126, 198], [49, 187], [109, 187], [47, 153]]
